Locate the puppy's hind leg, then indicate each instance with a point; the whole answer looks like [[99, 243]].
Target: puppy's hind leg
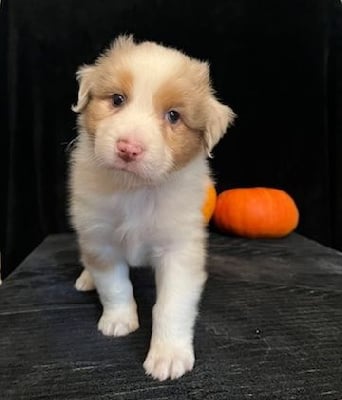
[[85, 282]]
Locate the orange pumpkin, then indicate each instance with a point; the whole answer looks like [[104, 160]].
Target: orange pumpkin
[[209, 202], [256, 212]]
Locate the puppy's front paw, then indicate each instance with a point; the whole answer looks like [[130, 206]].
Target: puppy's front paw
[[85, 282], [166, 360], [119, 322]]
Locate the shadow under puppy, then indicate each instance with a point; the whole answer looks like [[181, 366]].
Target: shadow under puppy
[[147, 120]]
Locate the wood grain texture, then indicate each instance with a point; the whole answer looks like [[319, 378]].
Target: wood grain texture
[[270, 327]]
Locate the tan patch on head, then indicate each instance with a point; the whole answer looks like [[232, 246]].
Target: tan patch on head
[[97, 110], [185, 143], [184, 94], [169, 96], [105, 86], [109, 80], [186, 89]]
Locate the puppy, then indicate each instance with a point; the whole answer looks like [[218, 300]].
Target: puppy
[[147, 120]]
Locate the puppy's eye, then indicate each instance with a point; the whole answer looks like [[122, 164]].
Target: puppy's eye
[[173, 116], [118, 100]]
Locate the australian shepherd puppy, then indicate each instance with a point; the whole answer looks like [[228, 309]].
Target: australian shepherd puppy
[[148, 118]]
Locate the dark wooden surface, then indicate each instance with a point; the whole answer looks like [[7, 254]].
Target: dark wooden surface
[[270, 327]]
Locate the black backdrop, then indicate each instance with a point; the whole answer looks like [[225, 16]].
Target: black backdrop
[[277, 63]]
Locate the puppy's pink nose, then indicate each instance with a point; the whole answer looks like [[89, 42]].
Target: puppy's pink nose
[[128, 150]]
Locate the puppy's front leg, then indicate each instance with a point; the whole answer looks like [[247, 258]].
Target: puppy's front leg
[[111, 278], [180, 277]]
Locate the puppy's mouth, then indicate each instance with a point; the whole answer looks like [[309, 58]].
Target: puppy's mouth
[[145, 173], [136, 168], [123, 164]]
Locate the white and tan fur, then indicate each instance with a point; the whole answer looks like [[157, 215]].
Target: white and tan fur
[[131, 210]]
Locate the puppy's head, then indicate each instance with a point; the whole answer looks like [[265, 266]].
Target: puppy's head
[[148, 109]]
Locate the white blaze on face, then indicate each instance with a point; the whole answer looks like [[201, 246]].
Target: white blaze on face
[[133, 125]]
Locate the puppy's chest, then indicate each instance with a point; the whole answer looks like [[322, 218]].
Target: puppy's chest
[[135, 225], [132, 218], [134, 211]]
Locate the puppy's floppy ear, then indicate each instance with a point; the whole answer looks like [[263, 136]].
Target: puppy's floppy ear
[[220, 117], [84, 76]]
